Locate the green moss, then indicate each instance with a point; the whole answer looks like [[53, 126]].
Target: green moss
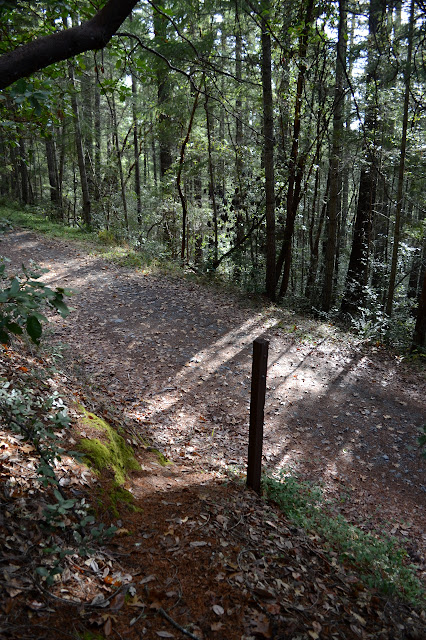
[[111, 452], [120, 496], [161, 457]]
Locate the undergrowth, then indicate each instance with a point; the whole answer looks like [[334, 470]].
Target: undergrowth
[[380, 561]]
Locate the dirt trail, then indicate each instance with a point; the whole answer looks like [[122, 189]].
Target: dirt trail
[[176, 358]]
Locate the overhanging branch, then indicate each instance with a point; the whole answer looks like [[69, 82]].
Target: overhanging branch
[[37, 55]]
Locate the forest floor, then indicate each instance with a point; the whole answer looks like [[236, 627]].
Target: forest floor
[[171, 360]]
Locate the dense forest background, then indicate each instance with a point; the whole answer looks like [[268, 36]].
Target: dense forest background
[[279, 144]]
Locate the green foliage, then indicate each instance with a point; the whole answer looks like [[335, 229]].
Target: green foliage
[[21, 298], [37, 420], [373, 325], [36, 218], [107, 237], [380, 561]]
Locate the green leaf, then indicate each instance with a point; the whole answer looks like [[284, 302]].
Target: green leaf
[[34, 329], [61, 307], [14, 328], [14, 287]]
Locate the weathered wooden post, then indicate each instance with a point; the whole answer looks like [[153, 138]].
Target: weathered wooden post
[[257, 404]]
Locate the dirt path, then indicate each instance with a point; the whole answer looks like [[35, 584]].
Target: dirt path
[[177, 358]]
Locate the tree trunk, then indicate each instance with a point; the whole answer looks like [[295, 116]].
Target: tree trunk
[[296, 163], [136, 151], [87, 218], [119, 162], [163, 97], [401, 169], [357, 275], [97, 141], [212, 186], [179, 175], [52, 167], [26, 190], [335, 179], [268, 156]]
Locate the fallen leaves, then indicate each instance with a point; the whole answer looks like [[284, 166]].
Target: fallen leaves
[[225, 546]]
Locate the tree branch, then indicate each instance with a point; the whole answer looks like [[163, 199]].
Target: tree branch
[[92, 34]]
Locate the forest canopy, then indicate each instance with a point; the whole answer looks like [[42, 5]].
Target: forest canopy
[[279, 144]]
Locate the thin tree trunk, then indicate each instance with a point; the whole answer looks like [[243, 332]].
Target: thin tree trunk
[[163, 97], [296, 163], [23, 170], [401, 169], [87, 218], [97, 131], [268, 157], [212, 186], [119, 162], [179, 175], [136, 151], [52, 167]]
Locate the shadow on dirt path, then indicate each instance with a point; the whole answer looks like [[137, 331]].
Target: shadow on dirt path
[[176, 359]]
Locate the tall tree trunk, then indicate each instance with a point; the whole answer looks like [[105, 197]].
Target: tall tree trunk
[[163, 97], [87, 123], [97, 139], [179, 176], [119, 161], [136, 151], [357, 275], [296, 163], [401, 168], [212, 186], [268, 154], [335, 179], [87, 218]]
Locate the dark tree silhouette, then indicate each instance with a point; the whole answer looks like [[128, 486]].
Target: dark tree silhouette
[[62, 45]]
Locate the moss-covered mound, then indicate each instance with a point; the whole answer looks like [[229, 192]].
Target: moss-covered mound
[[109, 451]]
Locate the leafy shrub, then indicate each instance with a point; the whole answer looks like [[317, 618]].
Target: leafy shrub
[[21, 298], [107, 237]]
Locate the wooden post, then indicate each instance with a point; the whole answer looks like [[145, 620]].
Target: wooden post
[[257, 404]]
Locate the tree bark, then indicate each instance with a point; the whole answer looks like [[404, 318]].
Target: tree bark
[[97, 139], [179, 175], [212, 186], [334, 201], [26, 191], [62, 45], [87, 218], [52, 167], [136, 151], [268, 157], [357, 275], [401, 168], [163, 97], [296, 163], [119, 161]]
